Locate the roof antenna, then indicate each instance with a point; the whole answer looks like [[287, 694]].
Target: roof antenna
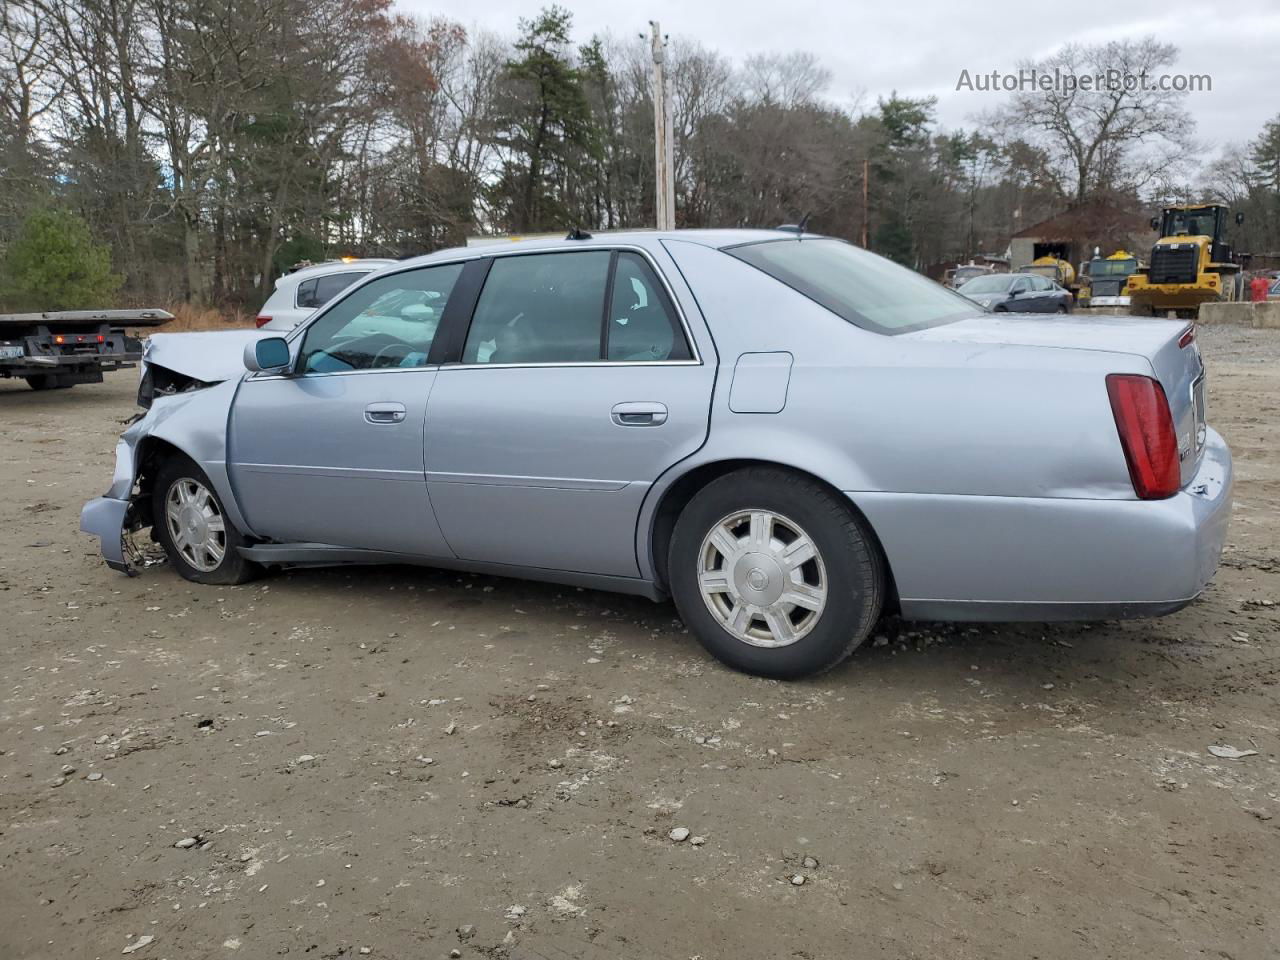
[[577, 233]]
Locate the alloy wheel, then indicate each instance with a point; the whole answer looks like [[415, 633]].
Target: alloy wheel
[[762, 578]]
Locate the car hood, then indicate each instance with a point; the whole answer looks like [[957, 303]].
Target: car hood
[[211, 357]]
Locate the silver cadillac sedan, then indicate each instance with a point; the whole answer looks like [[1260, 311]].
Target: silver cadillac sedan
[[783, 433]]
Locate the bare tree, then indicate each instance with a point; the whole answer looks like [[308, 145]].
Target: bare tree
[[1106, 137]]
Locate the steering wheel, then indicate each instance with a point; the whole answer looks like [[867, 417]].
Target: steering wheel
[[391, 355]]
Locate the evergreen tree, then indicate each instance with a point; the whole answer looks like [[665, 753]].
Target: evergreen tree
[[55, 264], [543, 124]]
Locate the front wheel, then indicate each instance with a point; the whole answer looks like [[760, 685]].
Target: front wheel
[[775, 574], [190, 523]]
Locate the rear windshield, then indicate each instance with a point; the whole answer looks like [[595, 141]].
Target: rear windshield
[[992, 284], [865, 289]]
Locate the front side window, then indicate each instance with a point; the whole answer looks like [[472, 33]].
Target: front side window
[[389, 322], [862, 288]]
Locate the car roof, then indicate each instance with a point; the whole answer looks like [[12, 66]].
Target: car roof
[[717, 239], [339, 266]]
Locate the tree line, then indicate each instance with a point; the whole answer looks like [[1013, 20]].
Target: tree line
[[206, 145]]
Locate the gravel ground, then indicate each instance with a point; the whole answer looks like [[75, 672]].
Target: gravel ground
[[406, 763]]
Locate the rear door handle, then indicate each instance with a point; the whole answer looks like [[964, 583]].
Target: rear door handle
[[642, 413], [385, 412]]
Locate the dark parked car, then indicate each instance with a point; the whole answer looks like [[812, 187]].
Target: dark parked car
[[1018, 293]]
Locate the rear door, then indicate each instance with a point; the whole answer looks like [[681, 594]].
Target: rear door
[[577, 384]]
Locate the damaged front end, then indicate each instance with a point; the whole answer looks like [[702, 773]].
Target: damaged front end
[[185, 390], [118, 517]]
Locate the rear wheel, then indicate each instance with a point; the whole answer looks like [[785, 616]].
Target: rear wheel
[[47, 381], [775, 574], [191, 525]]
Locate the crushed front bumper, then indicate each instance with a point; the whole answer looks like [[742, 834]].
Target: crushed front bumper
[[106, 519], [109, 517]]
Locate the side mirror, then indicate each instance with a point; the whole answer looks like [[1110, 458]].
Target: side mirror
[[1239, 217], [270, 354], [1155, 223]]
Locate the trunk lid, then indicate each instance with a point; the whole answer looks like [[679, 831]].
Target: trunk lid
[[1178, 367]]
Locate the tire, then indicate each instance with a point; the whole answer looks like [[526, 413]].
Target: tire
[[46, 381], [847, 569], [1062, 308], [197, 561]]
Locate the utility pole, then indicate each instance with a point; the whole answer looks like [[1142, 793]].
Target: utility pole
[[663, 135]]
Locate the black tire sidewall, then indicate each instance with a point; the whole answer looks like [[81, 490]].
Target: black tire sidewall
[[233, 568], [854, 571]]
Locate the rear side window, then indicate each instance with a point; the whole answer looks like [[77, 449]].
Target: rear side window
[[864, 289], [540, 308], [318, 291], [565, 308]]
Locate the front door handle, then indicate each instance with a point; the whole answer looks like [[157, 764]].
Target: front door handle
[[385, 412], [639, 414]]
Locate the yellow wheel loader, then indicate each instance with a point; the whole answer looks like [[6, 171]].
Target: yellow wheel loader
[[1192, 263]]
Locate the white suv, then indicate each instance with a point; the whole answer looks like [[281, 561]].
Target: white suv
[[301, 293]]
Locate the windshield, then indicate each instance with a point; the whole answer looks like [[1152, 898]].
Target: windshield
[[968, 273], [1190, 223], [1112, 268], [863, 288], [993, 284]]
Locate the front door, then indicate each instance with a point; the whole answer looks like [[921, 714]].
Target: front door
[[578, 386], [332, 453]]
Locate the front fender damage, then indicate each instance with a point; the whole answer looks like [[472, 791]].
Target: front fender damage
[[115, 517], [189, 422]]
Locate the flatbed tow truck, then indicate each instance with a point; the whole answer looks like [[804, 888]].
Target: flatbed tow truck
[[59, 349]]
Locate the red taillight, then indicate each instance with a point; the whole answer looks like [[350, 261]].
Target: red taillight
[[101, 338], [261, 321], [1188, 336], [1146, 434]]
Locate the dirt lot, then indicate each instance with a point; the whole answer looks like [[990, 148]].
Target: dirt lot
[[1026, 791]]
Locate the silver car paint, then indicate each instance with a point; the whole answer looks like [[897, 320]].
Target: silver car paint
[[983, 453], [311, 440]]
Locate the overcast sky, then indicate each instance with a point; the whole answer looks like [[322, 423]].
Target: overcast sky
[[919, 47]]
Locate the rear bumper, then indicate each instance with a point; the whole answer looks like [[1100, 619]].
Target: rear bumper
[[1013, 558]]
